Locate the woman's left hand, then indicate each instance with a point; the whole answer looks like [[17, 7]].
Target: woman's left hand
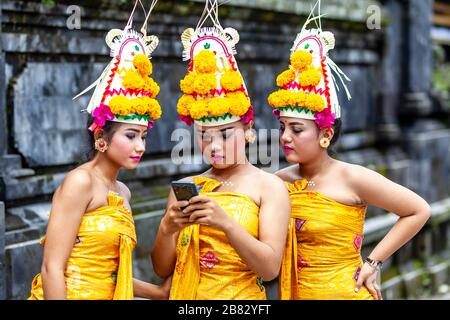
[[368, 277], [204, 210], [165, 287]]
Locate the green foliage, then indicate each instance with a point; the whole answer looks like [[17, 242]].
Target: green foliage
[[441, 78], [441, 71], [48, 2]]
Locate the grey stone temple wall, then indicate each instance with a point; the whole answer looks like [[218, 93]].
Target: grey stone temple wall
[[389, 125]]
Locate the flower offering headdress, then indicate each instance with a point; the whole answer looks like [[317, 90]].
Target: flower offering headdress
[[308, 88], [125, 91], [214, 90]]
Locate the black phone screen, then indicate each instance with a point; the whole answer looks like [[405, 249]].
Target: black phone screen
[[184, 190]]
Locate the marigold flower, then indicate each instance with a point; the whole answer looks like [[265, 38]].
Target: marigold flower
[[142, 63], [231, 80], [205, 62], [301, 59]]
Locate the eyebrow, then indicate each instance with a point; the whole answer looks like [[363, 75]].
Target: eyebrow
[[135, 130], [221, 130]]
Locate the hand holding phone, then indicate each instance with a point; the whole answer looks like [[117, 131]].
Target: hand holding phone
[[184, 190]]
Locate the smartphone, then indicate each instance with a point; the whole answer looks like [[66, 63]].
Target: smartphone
[[184, 190]]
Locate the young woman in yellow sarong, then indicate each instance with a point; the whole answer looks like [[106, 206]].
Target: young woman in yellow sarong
[[329, 198], [91, 234], [224, 242]]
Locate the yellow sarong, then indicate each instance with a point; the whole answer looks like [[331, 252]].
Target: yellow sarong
[[323, 248], [100, 264], [207, 265]]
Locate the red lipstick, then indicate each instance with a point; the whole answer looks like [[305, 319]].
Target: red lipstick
[[287, 149]]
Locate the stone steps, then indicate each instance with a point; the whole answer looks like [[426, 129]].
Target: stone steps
[[420, 283], [10, 162], [21, 173]]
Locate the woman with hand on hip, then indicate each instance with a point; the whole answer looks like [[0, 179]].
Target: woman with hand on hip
[[329, 198]]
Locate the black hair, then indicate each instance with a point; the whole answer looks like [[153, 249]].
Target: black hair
[[337, 127], [108, 132]]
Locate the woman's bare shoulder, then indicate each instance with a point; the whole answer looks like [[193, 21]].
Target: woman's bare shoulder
[[78, 179], [288, 174], [124, 190]]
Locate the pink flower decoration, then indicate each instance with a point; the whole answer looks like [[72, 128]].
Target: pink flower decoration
[[301, 262], [299, 224], [186, 119], [357, 241], [276, 113], [325, 119], [249, 116], [101, 114], [150, 124], [209, 260]]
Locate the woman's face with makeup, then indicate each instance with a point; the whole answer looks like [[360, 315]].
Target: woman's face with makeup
[[222, 146], [299, 139], [127, 145]]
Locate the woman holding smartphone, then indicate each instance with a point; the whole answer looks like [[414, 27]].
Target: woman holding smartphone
[[224, 242], [329, 198]]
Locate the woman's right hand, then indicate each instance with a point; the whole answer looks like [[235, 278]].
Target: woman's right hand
[[174, 220]]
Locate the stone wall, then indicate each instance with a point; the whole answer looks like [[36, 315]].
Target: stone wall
[[47, 65], [2, 253], [388, 125]]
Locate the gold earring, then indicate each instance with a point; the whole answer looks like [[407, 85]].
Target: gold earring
[[250, 136], [324, 143], [101, 145]]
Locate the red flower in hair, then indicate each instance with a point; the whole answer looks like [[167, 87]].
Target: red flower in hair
[[325, 119], [276, 113], [150, 124], [249, 116], [101, 114], [186, 119]]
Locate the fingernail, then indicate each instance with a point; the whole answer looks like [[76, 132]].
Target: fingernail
[[356, 290]]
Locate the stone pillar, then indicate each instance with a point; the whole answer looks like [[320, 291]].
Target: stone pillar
[[387, 127], [2, 253], [3, 114], [426, 140], [418, 57]]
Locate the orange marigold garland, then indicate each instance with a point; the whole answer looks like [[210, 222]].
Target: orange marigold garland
[[300, 60], [142, 63], [218, 106], [205, 62], [285, 78], [239, 103], [204, 83], [187, 84], [231, 80], [184, 104], [199, 109]]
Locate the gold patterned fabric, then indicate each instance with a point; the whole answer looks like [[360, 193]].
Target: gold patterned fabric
[[323, 249], [207, 265], [100, 264]]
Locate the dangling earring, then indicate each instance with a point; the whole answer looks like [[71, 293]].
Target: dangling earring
[[250, 136], [324, 143], [101, 145]]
